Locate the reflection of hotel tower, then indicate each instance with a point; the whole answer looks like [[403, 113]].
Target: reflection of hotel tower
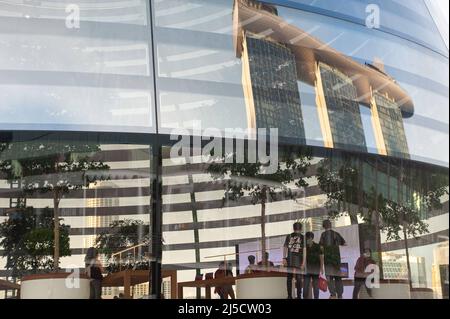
[[269, 78], [337, 99], [270, 48]]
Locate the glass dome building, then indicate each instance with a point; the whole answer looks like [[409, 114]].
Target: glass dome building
[[174, 135]]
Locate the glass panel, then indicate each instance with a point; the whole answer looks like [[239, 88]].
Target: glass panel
[[78, 64], [394, 16], [304, 73], [216, 221], [100, 192]]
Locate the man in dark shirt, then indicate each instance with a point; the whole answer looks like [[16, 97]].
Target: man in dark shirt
[[361, 274], [293, 259], [314, 266], [266, 264], [330, 241]]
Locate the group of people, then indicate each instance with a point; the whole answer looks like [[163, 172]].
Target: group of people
[[307, 260]]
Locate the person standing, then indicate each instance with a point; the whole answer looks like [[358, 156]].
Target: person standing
[[330, 240], [293, 259], [225, 290], [314, 266], [94, 271], [360, 272], [251, 268]]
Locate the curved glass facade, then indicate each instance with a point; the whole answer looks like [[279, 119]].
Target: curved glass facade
[[119, 119]]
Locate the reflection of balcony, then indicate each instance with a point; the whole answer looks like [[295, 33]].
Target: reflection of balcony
[[309, 51]]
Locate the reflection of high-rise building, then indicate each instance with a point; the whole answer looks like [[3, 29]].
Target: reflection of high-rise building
[[395, 267], [269, 78], [96, 222], [388, 126], [342, 85], [338, 108], [440, 271], [166, 289]]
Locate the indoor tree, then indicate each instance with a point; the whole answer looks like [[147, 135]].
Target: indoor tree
[[54, 167], [28, 241], [339, 178], [403, 217], [250, 179], [122, 234]]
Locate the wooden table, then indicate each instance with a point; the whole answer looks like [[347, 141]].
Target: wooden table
[[7, 285], [128, 278]]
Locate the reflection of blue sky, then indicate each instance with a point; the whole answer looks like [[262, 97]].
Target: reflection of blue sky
[[395, 16]]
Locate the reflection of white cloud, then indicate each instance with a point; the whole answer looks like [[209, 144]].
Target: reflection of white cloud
[[189, 55], [116, 48], [205, 69], [188, 106], [136, 62], [57, 113], [208, 18], [130, 111], [134, 94], [177, 9]]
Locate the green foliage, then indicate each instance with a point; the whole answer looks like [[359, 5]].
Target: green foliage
[[251, 179], [397, 219], [55, 167], [122, 234], [28, 241], [340, 181], [51, 166]]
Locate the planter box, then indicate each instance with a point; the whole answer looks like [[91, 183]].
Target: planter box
[[389, 289], [261, 286], [54, 286]]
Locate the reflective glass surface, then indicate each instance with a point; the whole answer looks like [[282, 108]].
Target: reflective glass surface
[[127, 130], [76, 66], [99, 192]]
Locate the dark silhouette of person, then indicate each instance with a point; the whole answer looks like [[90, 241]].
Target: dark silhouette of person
[[251, 268], [361, 272], [330, 241], [314, 266], [293, 259], [265, 264], [224, 291], [94, 271]]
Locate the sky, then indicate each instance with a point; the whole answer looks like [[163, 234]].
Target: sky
[[440, 11], [444, 5]]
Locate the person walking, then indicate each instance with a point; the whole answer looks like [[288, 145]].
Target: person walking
[[330, 240], [293, 259], [361, 273], [313, 268]]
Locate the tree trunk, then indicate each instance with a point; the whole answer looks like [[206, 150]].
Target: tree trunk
[[56, 230], [408, 265], [195, 222], [263, 225]]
